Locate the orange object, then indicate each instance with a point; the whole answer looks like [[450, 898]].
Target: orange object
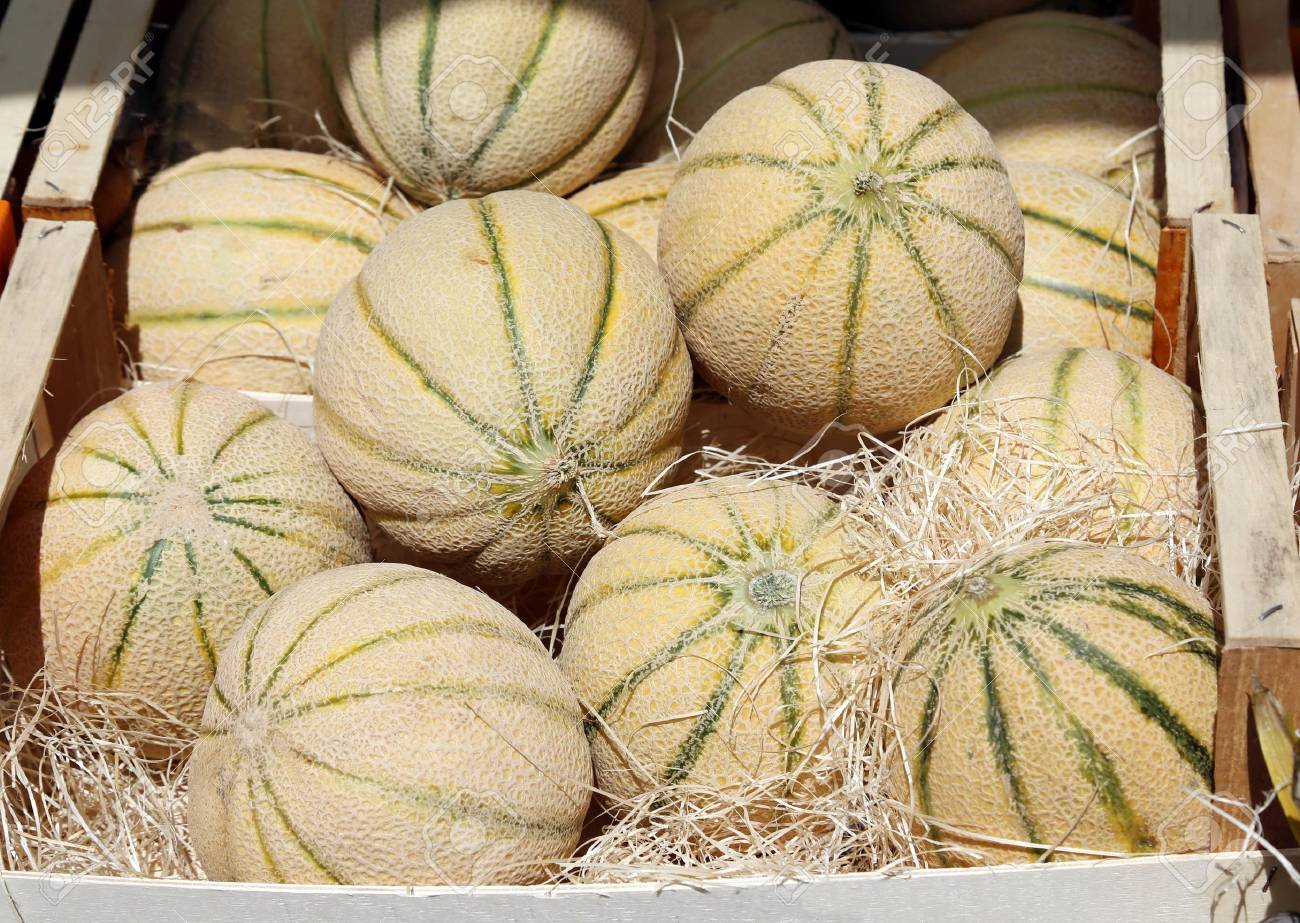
[[8, 240]]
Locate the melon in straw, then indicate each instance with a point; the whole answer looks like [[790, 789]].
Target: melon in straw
[[701, 637], [1061, 88], [842, 243], [500, 383], [1061, 696], [1042, 415], [632, 201], [726, 48], [135, 551], [383, 724], [463, 99], [231, 259], [1090, 262], [245, 72]]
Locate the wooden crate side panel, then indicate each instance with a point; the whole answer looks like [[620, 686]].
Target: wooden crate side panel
[[111, 60], [1229, 887]]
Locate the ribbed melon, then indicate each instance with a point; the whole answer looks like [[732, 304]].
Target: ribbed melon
[[842, 243], [1090, 262], [1062, 695], [231, 259], [244, 72], [632, 201], [134, 552], [502, 372], [382, 724], [695, 635], [1061, 88], [726, 48], [1097, 408], [463, 99]]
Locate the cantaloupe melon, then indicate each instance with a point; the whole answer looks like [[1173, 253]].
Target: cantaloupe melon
[[726, 48], [243, 72], [1061, 695], [1095, 408], [1090, 262], [1061, 88], [463, 99], [133, 554], [632, 201], [503, 374], [696, 635], [383, 724], [842, 243], [231, 259]]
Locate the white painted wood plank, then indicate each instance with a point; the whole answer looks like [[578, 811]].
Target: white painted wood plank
[[1260, 569], [1151, 890], [28, 33], [111, 60], [1193, 110], [296, 408], [35, 302]]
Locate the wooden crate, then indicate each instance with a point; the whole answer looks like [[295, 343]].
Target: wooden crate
[[1229, 292]]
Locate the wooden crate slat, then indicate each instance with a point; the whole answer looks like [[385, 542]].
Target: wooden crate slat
[[63, 181], [1272, 122], [54, 309], [1198, 175], [29, 33], [1246, 455]]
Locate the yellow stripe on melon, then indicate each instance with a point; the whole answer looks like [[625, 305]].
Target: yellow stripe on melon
[[726, 48], [502, 372], [231, 259], [1062, 696], [850, 263], [464, 99], [382, 724], [1061, 88], [632, 201], [695, 635], [244, 72], [135, 551], [1090, 262]]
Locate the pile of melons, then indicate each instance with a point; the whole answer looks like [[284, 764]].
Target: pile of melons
[[502, 380]]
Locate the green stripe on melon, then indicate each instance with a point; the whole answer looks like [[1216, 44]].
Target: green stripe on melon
[[1061, 695], [691, 635], [469, 723]]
